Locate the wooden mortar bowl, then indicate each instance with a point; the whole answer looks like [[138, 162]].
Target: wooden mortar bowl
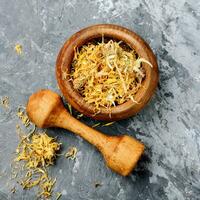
[[134, 41]]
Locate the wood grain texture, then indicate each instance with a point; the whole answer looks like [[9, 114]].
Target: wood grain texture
[[125, 110], [45, 109]]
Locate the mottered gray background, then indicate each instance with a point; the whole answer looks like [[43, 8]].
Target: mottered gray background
[[169, 125]]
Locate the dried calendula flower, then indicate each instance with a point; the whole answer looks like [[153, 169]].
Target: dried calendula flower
[[58, 195], [106, 74], [24, 118], [79, 116], [13, 190], [18, 49], [95, 125], [71, 153], [4, 101], [46, 187], [108, 124], [21, 113], [34, 153], [37, 151], [70, 108]]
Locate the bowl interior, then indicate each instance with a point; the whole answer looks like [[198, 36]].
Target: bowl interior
[[96, 41]]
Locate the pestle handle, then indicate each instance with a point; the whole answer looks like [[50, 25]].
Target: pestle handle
[[66, 121]]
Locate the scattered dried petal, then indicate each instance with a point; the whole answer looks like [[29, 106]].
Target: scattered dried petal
[[4, 102], [108, 124], [18, 49], [95, 125], [71, 153]]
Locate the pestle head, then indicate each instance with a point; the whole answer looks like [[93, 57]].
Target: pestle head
[[124, 155], [43, 108]]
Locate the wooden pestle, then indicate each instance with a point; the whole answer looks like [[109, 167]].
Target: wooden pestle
[[45, 109]]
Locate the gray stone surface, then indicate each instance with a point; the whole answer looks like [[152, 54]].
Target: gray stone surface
[[169, 126]]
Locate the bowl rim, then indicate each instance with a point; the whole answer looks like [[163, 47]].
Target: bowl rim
[[128, 108]]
